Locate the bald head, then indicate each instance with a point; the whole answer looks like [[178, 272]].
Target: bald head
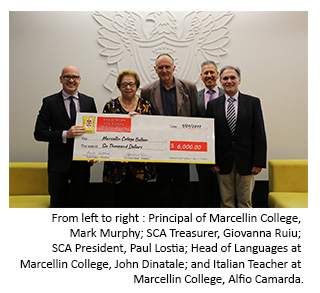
[[70, 79], [70, 67]]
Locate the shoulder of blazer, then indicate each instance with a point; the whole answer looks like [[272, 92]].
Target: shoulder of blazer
[[248, 98], [53, 96], [184, 83], [201, 93], [151, 85], [221, 91], [54, 101], [81, 95], [87, 104]]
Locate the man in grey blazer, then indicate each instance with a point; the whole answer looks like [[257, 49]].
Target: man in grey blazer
[[171, 96], [209, 195], [56, 124]]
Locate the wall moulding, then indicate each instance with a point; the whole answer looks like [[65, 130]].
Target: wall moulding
[[133, 40]]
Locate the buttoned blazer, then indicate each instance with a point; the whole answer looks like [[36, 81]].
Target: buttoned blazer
[[201, 101], [247, 148], [52, 120], [186, 93]]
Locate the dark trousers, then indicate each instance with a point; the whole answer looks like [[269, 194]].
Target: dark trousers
[[70, 189], [173, 184], [209, 194]]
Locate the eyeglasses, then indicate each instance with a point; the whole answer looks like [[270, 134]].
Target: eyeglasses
[[125, 84], [68, 77]]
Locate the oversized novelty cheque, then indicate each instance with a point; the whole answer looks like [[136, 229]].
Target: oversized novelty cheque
[[145, 138]]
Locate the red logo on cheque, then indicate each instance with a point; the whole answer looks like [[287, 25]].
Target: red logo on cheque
[[112, 124]]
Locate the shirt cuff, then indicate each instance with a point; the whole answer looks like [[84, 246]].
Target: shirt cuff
[[64, 136]]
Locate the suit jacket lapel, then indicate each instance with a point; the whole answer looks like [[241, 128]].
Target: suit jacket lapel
[[242, 111], [201, 102], [62, 108], [157, 97], [222, 113], [81, 102], [180, 95], [221, 92], [201, 98]]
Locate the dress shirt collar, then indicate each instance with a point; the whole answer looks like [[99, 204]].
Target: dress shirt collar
[[66, 95], [236, 96], [173, 87], [215, 89]]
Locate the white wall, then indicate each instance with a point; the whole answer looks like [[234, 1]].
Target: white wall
[[269, 47]]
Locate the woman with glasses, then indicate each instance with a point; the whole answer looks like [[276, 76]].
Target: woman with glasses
[[129, 178]]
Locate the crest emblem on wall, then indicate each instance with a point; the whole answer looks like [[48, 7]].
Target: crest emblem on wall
[[133, 40]]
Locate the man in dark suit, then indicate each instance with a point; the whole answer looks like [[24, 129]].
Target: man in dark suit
[[56, 124], [240, 140], [171, 96], [208, 185]]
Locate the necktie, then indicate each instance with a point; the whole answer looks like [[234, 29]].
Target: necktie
[[210, 92], [231, 115], [72, 110]]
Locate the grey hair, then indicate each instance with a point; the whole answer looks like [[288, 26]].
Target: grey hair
[[208, 62], [165, 54], [236, 69]]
